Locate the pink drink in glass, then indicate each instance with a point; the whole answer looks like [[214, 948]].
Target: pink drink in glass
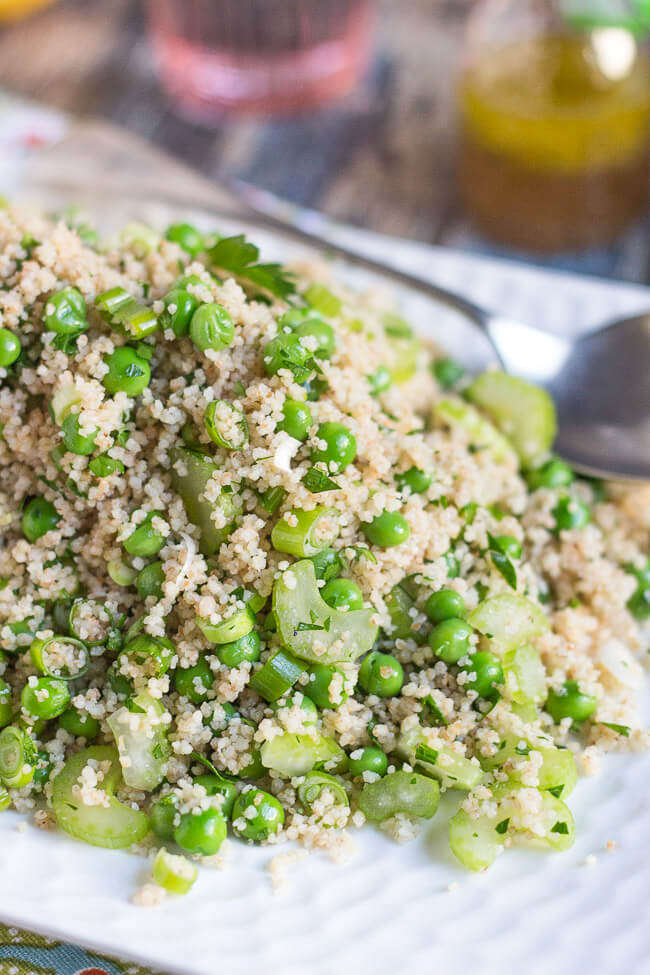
[[268, 56]]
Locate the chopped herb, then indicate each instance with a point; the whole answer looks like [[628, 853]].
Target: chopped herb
[[437, 716], [208, 764], [361, 553], [502, 563], [620, 729], [239, 256], [556, 791], [317, 481], [502, 827], [133, 707], [522, 749], [425, 754], [561, 828], [240, 389]]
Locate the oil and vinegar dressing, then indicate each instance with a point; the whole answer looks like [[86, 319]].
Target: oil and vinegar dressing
[[556, 139]]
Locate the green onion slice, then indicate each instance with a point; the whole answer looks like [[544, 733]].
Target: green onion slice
[[60, 656], [277, 675]]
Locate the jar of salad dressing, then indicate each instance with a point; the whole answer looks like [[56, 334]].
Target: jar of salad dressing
[[555, 124]]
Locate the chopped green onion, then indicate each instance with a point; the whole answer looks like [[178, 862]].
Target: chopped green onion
[[175, 874], [277, 675], [18, 757], [228, 630], [305, 533], [123, 312], [315, 783], [226, 424], [60, 656]]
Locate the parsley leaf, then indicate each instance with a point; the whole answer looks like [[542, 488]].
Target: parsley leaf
[[437, 716], [317, 481], [239, 256], [502, 827], [502, 563], [556, 791], [561, 828], [620, 729], [208, 764]]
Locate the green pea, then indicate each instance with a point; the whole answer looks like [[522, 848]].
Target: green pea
[[104, 466], [65, 312], [127, 372], [203, 833], [296, 419], [162, 815], [194, 682], [388, 529], [449, 640], [381, 674], [328, 564], [447, 372], [340, 446], [79, 723], [342, 594], [211, 327], [6, 709], [509, 545], [553, 474], [186, 236], [570, 514], [380, 381], [415, 480], [569, 702], [52, 705], [268, 818], [306, 705], [10, 347], [184, 304], [324, 335], [247, 647], [39, 517], [150, 580], [444, 605], [76, 442], [488, 674], [318, 687], [286, 351], [145, 540], [368, 759], [219, 787]]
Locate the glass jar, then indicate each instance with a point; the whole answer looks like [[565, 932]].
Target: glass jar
[[555, 125], [265, 56]]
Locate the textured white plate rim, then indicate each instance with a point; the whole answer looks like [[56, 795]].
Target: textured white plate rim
[[341, 917]]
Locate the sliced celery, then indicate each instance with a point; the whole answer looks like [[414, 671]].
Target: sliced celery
[[475, 842], [525, 675], [454, 771], [141, 738], [313, 630], [524, 412], [479, 431], [509, 619], [400, 792], [292, 755], [114, 825], [191, 484]]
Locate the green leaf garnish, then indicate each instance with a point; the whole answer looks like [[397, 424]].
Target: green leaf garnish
[[239, 256], [317, 481]]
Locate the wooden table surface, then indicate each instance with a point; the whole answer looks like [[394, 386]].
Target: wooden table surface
[[382, 158]]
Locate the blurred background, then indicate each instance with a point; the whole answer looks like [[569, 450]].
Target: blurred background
[[513, 127]]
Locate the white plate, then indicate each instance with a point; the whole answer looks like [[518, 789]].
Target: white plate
[[391, 909]]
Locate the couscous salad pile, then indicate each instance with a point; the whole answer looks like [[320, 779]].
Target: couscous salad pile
[[270, 566]]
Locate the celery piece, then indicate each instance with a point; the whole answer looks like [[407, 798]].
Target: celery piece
[[291, 754], [441, 761], [400, 792], [115, 825], [525, 675], [482, 434], [141, 737], [313, 630], [191, 484], [475, 842], [522, 411], [509, 619]]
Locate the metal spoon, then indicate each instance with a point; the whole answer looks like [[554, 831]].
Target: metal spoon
[[600, 382]]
